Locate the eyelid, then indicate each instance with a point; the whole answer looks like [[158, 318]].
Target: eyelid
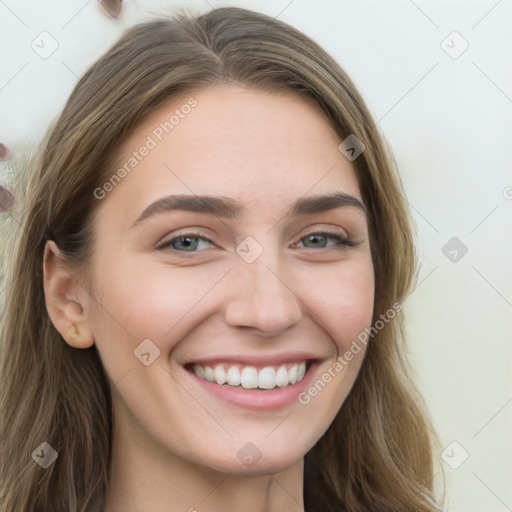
[[318, 229], [344, 242], [167, 241]]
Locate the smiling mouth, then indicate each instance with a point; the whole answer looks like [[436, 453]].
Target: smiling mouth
[[252, 377]]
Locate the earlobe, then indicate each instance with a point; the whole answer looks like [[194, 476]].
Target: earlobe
[[79, 338], [63, 304]]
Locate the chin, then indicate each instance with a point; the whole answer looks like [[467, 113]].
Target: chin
[[250, 461]]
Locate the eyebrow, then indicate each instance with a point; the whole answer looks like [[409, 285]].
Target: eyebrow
[[225, 207]]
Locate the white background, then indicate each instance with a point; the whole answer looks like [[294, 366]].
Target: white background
[[449, 122]]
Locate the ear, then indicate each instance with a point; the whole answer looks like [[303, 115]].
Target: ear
[[62, 292]]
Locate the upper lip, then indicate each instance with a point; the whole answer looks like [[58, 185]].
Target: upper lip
[[256, 359]]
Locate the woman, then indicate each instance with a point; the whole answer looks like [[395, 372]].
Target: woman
[[204, 305]]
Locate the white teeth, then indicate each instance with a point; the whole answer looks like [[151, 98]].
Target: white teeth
[[292, 375], [282, 376], [199, 370], [267, 378], [208, 373], [234, 377], [219, 374], [249, 377]]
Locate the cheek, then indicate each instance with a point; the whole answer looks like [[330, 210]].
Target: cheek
[[343, 307], [154, 302], [342, 299]]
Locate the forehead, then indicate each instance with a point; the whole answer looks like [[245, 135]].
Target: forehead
[[252, 145]]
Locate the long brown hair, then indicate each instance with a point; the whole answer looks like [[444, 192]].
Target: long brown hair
[[378, 452]]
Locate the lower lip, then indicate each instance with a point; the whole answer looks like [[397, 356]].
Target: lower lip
[[257, 399]]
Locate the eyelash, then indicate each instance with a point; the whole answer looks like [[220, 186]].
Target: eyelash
[[341, 244]]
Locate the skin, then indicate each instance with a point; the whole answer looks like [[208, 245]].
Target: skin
[[176, 445]]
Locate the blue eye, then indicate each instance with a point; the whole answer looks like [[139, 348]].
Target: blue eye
[[191, 242], [320, 239]]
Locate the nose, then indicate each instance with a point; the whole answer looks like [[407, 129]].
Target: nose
[[263, 299]]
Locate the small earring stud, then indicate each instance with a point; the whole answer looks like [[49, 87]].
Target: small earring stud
[[74, 333]]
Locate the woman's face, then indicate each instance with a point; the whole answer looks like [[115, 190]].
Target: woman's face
[[241, 285]]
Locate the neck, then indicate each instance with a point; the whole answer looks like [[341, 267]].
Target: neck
[[158, 480]]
